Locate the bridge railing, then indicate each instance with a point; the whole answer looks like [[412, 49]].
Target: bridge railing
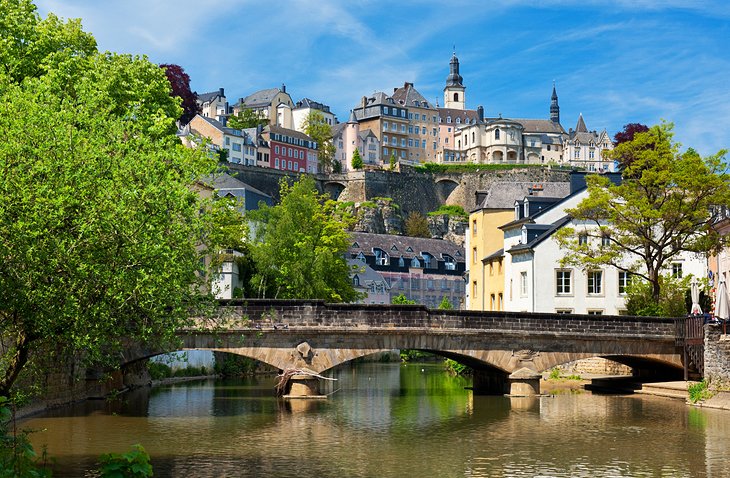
[[690, 336]]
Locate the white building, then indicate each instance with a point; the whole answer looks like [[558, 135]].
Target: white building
[[304, 107], [535, 281]]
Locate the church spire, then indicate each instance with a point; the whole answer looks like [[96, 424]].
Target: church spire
[[554, 108]]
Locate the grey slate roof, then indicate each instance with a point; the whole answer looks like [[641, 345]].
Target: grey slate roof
[[259, 98], [470, 115], [409, 96], [581, 126], [540, 126], [541, 233], [289, 132], [494, 255], [225, 183], [436, 247], [337, 129], [366, 274], [315, 105], [502, 195], [208, 97]]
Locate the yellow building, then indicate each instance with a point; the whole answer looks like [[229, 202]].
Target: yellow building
[[485, 240]]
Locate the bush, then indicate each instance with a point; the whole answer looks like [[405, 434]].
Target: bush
[[699, 391], [18, 459], [410, 355], [672, 302], [158, 370], [133, 464], [449, 210]]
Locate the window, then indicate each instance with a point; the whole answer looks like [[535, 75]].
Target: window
[[623, 282], [605, 240], [499, 301], [591, 154], [448, 120], [410, 129], [548, 147], [677, 270], [423, 118], [276, 149], [236, 146], [415, 262], [458, 120], [449, 263], [595, 312], [563, 311], [276, 163], [562, 282], [582, 239], [291, 166], [381, 257], [474, 255], [595, 282], [410, 142], [356, 281], [474, 227], [385, 125], [577, 153], [496, 133], [492, 302], [523, 284], [474, 289], [401, 262]]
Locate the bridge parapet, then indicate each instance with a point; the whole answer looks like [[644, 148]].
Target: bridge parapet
[[314, 313]]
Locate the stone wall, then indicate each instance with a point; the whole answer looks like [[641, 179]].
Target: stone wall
[[413, 191], [717, 355]]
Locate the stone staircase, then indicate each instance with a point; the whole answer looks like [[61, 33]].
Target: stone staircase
[[676, 390], [628, 385]]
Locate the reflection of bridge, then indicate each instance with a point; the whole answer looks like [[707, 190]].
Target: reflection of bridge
[[507, 350]]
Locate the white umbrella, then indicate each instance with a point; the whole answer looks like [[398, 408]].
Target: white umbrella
[[722, 305], [694, 292]]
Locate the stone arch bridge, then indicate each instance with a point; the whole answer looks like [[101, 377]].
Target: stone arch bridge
[[507, 350]]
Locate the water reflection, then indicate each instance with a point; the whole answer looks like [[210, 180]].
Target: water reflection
[[385, 420]]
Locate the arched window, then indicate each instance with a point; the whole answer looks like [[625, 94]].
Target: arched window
[[458, 120], [456, 96], [401, 262], [473, 137], [415, 262], [496, 133]]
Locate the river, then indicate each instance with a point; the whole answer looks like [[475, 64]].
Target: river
[[388, 420]]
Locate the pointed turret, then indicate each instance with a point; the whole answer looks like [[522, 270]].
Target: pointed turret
[[352, 119], [581, 126], [554, 108]]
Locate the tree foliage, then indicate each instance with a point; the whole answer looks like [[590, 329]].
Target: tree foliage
[[316, 127], [300, 245], [417, 225], [671, 302], [627, 134], [663, 207], [180, 84], [356, 160], [402, 299], [101, 233], [445, 304], [247, 118]]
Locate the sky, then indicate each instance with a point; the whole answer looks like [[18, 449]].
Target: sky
[[614, 61]]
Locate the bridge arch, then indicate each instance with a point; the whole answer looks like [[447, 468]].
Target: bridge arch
[[445, 186], [334, 189]]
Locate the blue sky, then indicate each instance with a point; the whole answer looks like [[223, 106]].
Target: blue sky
[[615, 61]]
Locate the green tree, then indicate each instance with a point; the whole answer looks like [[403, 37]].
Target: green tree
[[417, 225], [101, 232], [336, 167], [300, 245], [401, 299], [247, 118], [662, 207], [356, 160], [445, 304], [315, 126], [392, 161]]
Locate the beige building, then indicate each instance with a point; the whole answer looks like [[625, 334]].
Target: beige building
[[388, 121], [485, 248], [423, 127], [274, 104], [213, 105]]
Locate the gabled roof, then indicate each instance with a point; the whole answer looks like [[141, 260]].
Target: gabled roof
[[311, 104], [337, 129], [494, 255], [289, 132], [224, 183], [409, 97], [540, 126], [259, 98], [581, 126], [543, 231], [366, 274], [502, 195], [407, 247], [208, 97], [470, 115], [219, 126]]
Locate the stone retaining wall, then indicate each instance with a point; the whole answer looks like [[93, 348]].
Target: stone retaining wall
[[717, 355]]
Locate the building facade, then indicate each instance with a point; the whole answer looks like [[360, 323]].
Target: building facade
[[424, 270], [423, 129], [239, 146], [290, 150], [274, 104], [304, 107], [388, 121]]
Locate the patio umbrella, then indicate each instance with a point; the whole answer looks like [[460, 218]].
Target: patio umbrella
[[722, 306], [694, 292]]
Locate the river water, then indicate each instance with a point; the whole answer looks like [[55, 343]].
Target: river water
[[389, 420]]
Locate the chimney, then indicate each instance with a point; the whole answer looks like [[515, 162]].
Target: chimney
[[395, 89], [480, 113], [220, 92], [364, 101], [283, 88]]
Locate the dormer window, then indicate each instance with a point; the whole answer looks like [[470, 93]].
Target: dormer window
[[517, 210], [449, 263], [381, 257], [356, 281], [415, 262], [361, 257], [526, 208], [523, 239], [427, 260]]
